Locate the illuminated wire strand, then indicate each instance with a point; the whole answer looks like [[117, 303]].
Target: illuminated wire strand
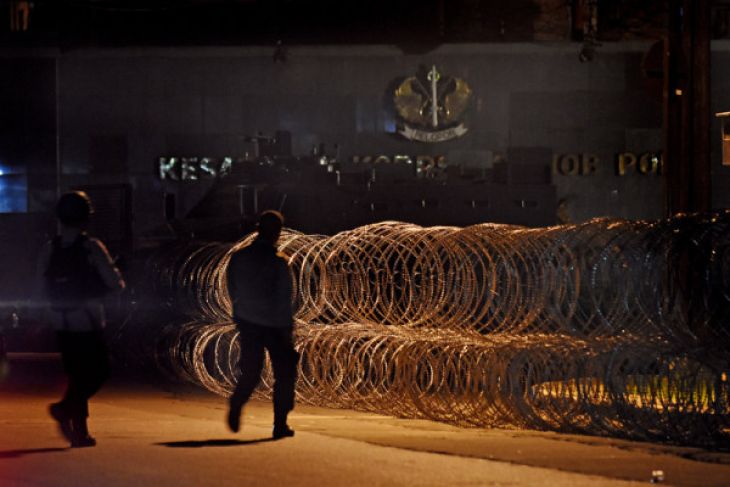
[[608, 327]]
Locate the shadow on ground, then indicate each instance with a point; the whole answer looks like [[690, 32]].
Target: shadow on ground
[[30, 451], [203, 443]]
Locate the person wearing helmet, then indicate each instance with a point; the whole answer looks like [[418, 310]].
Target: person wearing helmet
[[260, 289], [76, 272]]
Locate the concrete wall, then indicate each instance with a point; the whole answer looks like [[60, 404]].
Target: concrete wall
[[119, 110], [122, 109]]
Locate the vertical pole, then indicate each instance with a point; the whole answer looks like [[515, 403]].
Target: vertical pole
[[686, 124], [672, 117], [58, 124], [701, 182], [687, 138], [241, 205]]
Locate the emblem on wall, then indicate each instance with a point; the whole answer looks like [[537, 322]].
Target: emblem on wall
[[431, 107]]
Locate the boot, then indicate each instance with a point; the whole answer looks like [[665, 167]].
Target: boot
[[281, 429], [81, 437], [59, 413], [234, 418]]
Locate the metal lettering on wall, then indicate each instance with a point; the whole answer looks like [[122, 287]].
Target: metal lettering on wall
[[646, 163], [193, 168], [569, 164], [425, 165], [433, 105], [626, 163]]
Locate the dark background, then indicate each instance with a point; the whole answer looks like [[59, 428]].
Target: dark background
[[94, 92]]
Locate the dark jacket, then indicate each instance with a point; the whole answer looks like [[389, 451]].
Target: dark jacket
[[260, 286]]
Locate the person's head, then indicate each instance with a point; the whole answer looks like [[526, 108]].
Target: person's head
[[74, 209], [269, 227]]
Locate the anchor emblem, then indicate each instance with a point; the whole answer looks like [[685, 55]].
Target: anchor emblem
[[433, 107]]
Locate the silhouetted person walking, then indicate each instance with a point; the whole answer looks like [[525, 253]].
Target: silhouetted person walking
[[260, 289], [76, 272]]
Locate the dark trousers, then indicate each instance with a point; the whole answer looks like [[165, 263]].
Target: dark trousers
[[253, 340], [86, 362]]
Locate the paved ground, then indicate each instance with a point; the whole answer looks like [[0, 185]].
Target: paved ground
[[149, 435]]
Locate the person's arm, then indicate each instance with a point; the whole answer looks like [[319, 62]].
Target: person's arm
[[102, 261]]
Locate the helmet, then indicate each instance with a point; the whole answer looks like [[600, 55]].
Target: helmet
[[74, 208]]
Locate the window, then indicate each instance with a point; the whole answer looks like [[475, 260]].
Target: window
[[725, 134], [13, 190]]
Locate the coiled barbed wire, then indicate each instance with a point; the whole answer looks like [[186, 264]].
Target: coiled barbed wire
[[607, 327]]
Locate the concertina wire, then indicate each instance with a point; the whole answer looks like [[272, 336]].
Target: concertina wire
[[609, 327]]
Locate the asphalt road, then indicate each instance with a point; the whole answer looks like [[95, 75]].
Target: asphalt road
[[155, 435]]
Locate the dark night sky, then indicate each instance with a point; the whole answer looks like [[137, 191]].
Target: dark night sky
[[234, 22]]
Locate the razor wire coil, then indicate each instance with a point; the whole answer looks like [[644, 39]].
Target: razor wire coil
[[608, 327]]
